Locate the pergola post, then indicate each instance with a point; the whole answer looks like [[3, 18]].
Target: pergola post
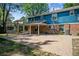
[[18, 28], [30, 29], [38, 30], [14, 27], [24, 25]]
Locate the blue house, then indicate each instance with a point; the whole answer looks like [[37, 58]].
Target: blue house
[[54, 22]]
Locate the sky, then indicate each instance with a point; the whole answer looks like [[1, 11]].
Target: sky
[[55, 6], [52, 6]]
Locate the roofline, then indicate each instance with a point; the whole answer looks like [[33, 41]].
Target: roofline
[[56, 11], [52, 24]]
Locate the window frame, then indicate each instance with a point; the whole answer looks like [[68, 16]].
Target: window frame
[[72, 12], [54, 16]]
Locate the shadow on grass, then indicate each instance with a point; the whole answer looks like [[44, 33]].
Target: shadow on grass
[[8, 48]]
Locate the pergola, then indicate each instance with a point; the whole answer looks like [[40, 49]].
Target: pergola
[[38, 26]]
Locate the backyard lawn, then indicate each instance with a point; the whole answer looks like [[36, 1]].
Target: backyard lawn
[[11, 48]]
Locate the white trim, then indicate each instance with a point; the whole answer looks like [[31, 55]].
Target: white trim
[[71, 23], [64, 23], [51, 24], [72, 11]]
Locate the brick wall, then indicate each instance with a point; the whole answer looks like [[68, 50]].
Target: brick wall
[[74, 28]]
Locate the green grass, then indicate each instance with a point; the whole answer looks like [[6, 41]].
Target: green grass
[[2, 35], [8, 48]]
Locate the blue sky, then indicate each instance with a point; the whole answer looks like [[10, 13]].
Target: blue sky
[[56, 6]]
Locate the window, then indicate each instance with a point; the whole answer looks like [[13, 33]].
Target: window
[[78, 18], [30, 20], [10, 28], [54, 16], [72, 12], [33, 20], [41, 18]]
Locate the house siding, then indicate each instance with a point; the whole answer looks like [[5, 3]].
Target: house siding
[[63, 17]]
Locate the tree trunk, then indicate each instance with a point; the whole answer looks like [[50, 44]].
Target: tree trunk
[[4, 27], [4, 30], [5, 16]]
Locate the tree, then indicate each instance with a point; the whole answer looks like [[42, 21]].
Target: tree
[[0, 16], [33, 9], [6, 9], [66, 5], [0, 13]]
